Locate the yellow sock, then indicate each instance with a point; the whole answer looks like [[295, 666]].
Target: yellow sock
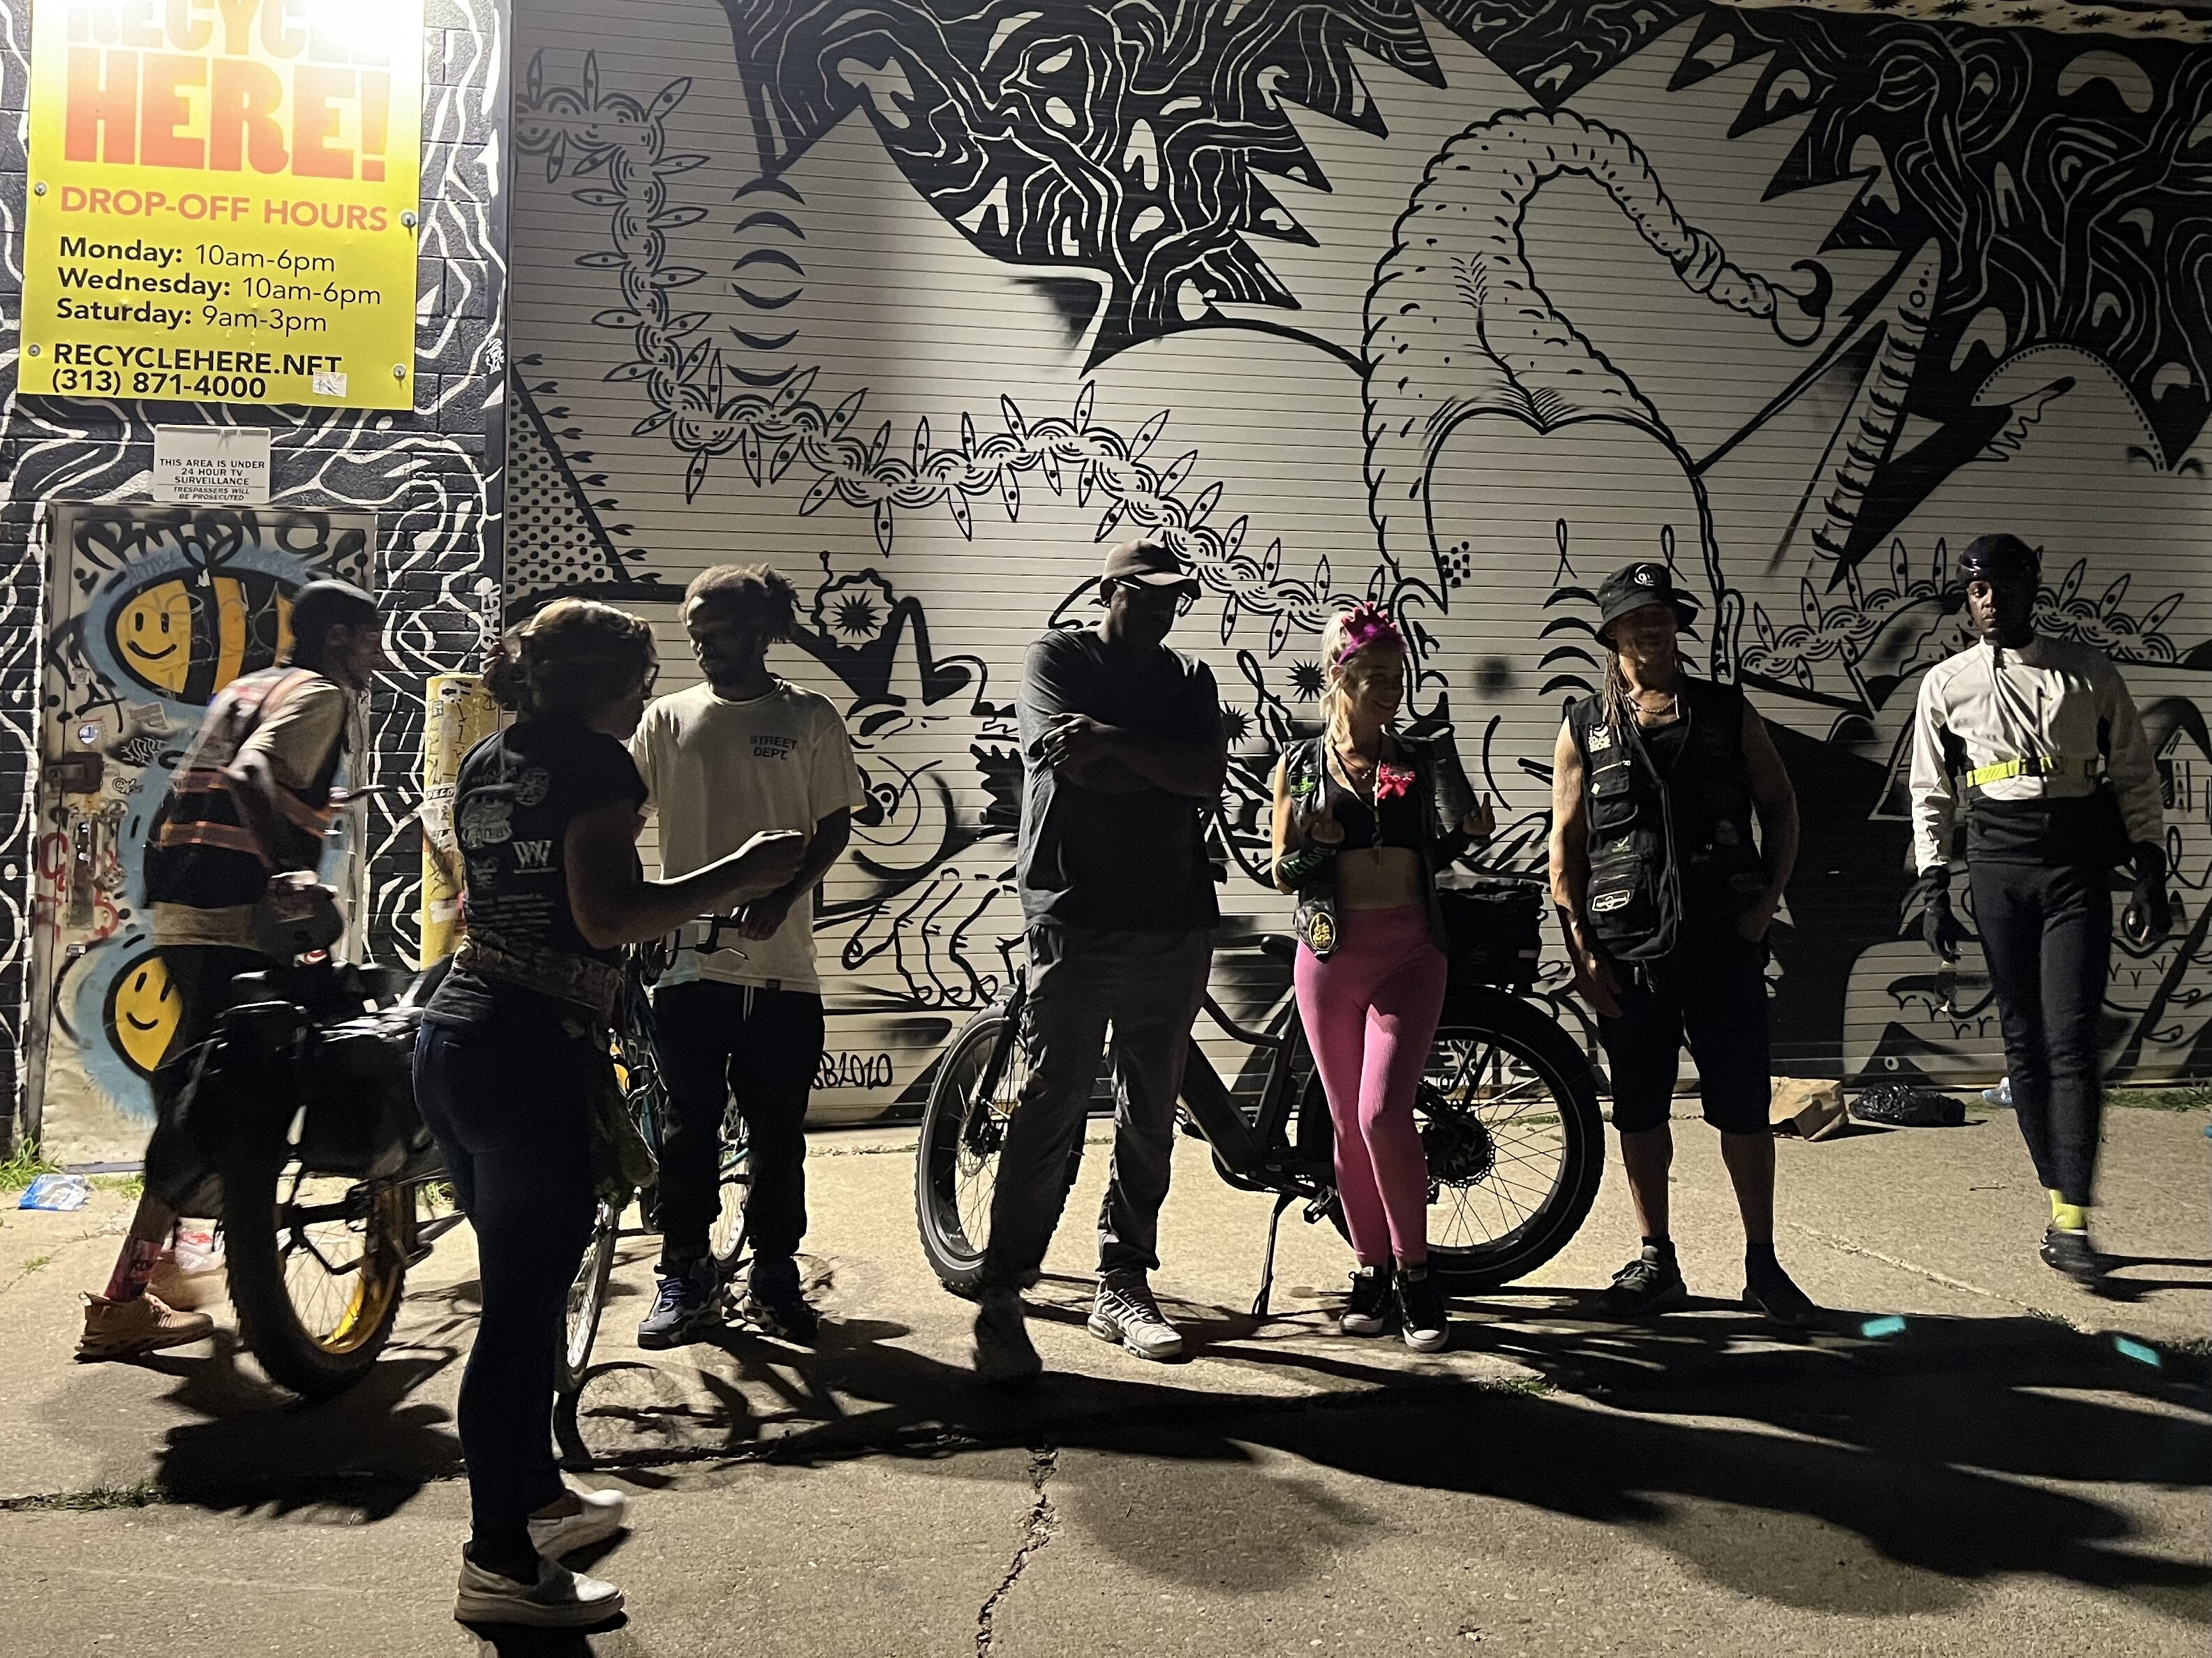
[[2070, 1216], [2056, 1202]]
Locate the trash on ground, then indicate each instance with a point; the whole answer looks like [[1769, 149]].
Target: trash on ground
[[58, 1191], [1901, 1106]]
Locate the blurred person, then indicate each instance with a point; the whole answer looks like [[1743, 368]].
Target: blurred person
[[1123, 747], [1666, 897], [253, 796], [513, 1058], [2041, 737], [742, 752], [1364, 819]]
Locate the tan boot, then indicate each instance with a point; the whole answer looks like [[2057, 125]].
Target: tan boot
[[119, 1329]]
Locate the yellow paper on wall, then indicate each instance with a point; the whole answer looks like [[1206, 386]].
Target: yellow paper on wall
[[223, 201]]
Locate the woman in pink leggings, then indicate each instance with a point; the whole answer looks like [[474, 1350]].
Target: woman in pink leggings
[[1364, 817]]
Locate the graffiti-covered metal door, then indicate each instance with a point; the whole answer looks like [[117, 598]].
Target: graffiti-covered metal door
[[151, 611]]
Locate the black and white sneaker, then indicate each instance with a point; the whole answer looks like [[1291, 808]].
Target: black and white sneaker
[[684, 1308], [2071, 1252], [1421, 1316], [1124, 1311], [775, 1305], [1368, 1313], [1651, 1283]]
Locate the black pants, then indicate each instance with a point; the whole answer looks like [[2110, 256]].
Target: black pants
[[180, 1169], [761, 1046], [1148, 986], [2047, 934], [508, 1103]]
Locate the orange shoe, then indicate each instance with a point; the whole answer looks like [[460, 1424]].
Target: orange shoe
[[121, 1329]]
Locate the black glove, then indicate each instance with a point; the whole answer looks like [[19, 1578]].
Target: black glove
[[1937, 924], [2149, 915]]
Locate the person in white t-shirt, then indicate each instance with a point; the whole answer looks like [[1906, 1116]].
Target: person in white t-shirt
[[744, 752]]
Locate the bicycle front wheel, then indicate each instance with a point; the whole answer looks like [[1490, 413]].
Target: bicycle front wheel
[[963, 1127], [733, 1187], [1514, 1139], [587, 1298]]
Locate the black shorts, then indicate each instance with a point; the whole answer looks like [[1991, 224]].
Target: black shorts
[[1712, 990]]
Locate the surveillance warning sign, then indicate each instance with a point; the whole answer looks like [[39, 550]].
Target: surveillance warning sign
[[223, 201]]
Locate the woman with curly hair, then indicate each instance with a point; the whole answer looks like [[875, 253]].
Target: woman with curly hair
[[514, 1049], [1364, 819]]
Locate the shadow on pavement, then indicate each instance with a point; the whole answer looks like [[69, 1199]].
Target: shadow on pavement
[[1913, 1435]]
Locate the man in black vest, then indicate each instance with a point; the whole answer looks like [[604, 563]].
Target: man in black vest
[[1666, 901], [252, 798], [2042, 737]]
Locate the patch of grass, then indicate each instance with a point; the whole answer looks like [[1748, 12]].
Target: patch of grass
[[144, 1495], [36, 1262], [2184, 1096], [131, 1185], [25, 1166]]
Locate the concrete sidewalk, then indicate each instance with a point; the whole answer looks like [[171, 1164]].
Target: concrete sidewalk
[[1970, 1450]]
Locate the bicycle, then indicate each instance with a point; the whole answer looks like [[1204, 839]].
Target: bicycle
[[331, 1189], [1508, 1109], [639, 1071]]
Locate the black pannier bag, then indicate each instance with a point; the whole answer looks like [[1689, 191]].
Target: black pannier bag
[[356, 1080], [1495, 930]]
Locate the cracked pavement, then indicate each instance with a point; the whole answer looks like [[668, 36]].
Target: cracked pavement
[[1970, 1450]]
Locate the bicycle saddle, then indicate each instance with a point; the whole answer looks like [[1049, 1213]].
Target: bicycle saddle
[[1280, 945]]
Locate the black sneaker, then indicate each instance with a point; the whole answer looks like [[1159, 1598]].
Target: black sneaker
[[1421, 1316], [1652, 1283], [1767, 1289], [1369, 1311], [2072, 1254], [774, 1303], [684, 1308]]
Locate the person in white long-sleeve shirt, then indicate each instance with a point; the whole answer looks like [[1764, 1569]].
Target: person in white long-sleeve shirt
[[2042, 742]]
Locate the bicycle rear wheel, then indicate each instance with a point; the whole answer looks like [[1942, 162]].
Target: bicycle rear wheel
[[1510, 1120], [318, 1265], [964, 1128]]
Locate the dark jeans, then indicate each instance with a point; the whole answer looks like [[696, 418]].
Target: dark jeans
[[508, 1103], [1148, 986], [2047, 933], [1710, 991], [763, 1047], [178, 1171]]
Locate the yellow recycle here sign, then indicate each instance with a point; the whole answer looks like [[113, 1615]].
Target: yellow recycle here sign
[[223, 199]]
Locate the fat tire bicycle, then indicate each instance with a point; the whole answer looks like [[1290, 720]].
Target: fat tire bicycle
[[645, 1091], [1508, 1111]]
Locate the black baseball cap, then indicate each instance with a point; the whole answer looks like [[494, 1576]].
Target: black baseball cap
[[1148, 561], [1633, 586]]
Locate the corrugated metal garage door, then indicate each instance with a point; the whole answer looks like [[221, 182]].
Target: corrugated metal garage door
[[924, 310]]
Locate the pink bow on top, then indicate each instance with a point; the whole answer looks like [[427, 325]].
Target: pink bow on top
[[1392, 781], [1363, 625]]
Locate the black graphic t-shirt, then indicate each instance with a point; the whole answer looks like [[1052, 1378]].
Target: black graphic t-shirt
[[1095, 858], [519, 790]]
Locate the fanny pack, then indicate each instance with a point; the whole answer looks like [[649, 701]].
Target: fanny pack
[[595, 986]]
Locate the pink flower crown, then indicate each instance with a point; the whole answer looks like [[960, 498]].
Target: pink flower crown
[[1364, 624]]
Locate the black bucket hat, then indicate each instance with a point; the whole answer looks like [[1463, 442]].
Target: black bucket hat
[[1633, 586]]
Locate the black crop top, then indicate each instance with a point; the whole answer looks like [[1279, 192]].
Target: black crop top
[[1401, 814]]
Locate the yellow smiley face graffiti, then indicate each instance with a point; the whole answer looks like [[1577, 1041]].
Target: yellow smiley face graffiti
[[189, 642], [143, 1012], [154, 636]]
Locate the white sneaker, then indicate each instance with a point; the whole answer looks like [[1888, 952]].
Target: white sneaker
[[1125, 1311], [559, 1599], [604, 1514]]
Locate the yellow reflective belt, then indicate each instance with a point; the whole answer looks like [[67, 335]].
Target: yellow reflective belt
[[1982, 776]]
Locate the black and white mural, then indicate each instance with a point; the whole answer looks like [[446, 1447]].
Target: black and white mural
[[428, 483], [1456, 305]]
